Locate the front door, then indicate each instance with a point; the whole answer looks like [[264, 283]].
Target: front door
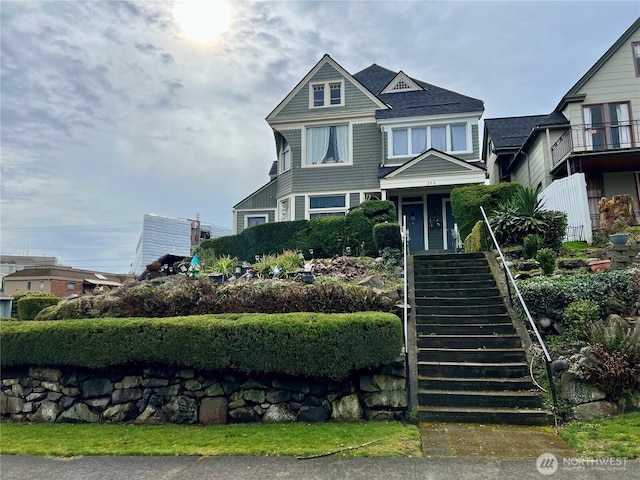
[[415, 224]]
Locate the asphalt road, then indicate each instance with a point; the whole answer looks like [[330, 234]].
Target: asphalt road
[[327, 468]]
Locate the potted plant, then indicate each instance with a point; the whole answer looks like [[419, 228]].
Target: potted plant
[[620, 233]]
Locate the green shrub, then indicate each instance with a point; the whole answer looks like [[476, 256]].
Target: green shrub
[[466, 202], [302, 344], [579, 316], [547, 260], [323, 235], [357, 235], [555, 230], [392, 257], [379, 211], [614, 363], [29, 306], [548, 296], [226, 265], [476, 240], [531, 245], [387, 235]]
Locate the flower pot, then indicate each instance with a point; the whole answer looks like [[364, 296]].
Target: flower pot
[[600, 265], [619, 238]]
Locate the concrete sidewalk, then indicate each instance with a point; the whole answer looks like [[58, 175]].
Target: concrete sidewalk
[[328, 468]]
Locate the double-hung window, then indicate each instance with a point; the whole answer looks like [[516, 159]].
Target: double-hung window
[[327, 145], [285, 156], [326, 94], [636, 57], [327, 205]]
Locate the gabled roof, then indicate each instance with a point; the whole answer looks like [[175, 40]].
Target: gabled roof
[[301, 84], [512, 132], [402, 83], [431, 100], [573, 92]]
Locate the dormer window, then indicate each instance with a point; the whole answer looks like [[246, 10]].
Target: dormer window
[[326, 94]]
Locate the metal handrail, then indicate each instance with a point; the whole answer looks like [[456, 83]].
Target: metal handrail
[[511, 280]]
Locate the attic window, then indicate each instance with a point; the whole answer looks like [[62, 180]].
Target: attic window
[[326, 94]]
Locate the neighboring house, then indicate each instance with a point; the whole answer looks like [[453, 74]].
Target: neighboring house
[[174, 236], [60, 281], [593, 133], [342, 139], [13, 263]]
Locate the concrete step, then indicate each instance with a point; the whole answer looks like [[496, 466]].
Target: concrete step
[[474, 384], [474, 369], [487, 398], [469, 341], [446, 280], [435, 291], [430, 319], [466, 329], [474, 355], [510, 416], [451, 269], [423, 299], [433, 309]]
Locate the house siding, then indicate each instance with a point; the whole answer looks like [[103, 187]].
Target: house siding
[[616, 81], [354, 199], [431, 165], [355, 100], [241, 215], [363, 171], [265, 198], [300, 207]]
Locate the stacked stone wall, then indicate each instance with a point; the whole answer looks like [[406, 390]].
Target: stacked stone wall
[[187, 396]]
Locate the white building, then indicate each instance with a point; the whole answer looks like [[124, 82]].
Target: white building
[[174, 236]]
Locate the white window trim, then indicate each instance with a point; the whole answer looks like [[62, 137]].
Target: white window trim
[[327, 93], [327, 165], [309, 210], [290, 211], [389, 130], [246, 219]]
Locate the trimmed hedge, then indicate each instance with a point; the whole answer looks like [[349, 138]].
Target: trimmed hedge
[[30, 306], [387, 235], [327, 236], [466, 202], [307, 344]]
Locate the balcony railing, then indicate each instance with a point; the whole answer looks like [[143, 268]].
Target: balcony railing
[[596, 138]]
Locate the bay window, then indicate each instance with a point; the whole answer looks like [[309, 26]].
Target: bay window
[[327, 145]]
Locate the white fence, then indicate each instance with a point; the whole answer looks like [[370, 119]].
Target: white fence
[[570, 195]]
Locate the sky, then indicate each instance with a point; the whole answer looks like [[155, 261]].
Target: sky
[[111, 110]]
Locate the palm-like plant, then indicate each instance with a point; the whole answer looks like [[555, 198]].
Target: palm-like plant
[[520, 216]]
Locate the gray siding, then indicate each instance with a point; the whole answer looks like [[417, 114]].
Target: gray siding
[[264, 197], [355, 100], [354, 199], [250, 213], [300, 208], [432, 165], [362, 174]]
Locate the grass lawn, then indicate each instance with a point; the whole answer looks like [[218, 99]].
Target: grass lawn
[[615, 437], [391, 439]]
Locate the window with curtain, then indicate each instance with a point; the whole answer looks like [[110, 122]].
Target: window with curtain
[[439, 138], [418, 140], [327, 145], [594, 134], [400, 141], [636, 57], [620, 126], [458, 138]]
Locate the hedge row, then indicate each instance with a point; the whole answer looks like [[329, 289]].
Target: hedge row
[[180, 296], [326, 236], [466, 202], [299, 344]]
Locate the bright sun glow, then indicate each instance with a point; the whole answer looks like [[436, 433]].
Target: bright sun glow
[[202, 21]]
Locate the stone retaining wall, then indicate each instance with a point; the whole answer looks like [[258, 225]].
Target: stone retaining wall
[[188, 396], [623, 256]]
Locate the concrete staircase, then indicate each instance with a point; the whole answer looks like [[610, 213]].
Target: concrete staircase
[[471, 363]]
